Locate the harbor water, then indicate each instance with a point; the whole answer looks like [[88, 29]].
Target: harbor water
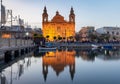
[[64, 66]]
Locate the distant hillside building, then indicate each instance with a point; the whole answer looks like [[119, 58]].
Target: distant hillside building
[[58, 27]]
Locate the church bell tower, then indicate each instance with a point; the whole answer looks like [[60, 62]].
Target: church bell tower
[[72, 16], [45, 15]]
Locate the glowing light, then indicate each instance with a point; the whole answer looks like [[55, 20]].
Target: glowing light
[[6, 36], [27, 34]]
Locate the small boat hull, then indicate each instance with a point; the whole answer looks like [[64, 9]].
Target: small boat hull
[[107, 47], [94, 46]]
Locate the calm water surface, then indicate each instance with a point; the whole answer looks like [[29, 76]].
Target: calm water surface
[[64, 67]]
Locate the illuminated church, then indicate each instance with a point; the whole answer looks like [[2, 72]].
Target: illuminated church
[[57, 26]]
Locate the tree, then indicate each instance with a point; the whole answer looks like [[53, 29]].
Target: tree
[[39, 40], [104, 38], [35, 35], [114, 38], [93, 37], [47, 37], [59, 38], [71, 38], [54, 38], [77, 37]]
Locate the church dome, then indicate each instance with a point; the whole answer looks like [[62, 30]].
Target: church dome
[[58, 18]]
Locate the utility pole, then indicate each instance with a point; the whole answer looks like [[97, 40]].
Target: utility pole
[[11, 20], [11, 25]]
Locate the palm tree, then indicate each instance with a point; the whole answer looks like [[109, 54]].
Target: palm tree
[[71, 38]]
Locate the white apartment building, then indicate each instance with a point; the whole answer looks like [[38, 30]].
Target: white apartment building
[[113, 31]]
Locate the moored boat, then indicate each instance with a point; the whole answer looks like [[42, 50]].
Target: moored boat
[[47, 48], [94, 46]]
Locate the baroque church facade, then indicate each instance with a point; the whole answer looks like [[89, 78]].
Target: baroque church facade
[[57, 26]]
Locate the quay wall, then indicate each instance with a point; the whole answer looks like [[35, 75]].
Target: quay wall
[[14, 42]]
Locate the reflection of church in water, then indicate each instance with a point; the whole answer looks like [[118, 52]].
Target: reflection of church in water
[[58, 61]]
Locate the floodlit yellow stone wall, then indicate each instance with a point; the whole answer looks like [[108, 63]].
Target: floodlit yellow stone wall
[[56, 29]]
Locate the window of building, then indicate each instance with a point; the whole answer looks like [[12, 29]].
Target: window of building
[[112, 33], [108, 32], [117, 33]]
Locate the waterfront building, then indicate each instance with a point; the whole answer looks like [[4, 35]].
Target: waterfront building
[[28, 32], [85, 32], [38, 31], [57, 26], [112, 31], [11, 32]]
